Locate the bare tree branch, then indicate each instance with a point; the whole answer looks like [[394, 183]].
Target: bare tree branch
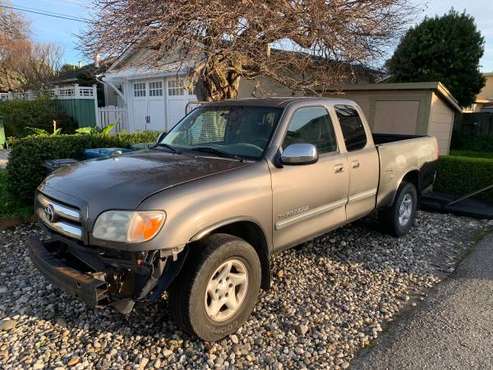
[[226, 40]]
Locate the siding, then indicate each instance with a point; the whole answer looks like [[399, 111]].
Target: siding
[[441, 123]]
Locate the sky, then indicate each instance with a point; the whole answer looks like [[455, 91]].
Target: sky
[[64, 32]]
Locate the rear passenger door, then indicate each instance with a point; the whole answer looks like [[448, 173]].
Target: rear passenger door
[[309, 199], [363, 162]]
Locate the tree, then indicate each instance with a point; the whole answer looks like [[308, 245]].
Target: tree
[[24, 64], [222, 41], [446, 49]]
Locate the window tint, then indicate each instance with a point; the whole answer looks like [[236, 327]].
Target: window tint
[[313, 126], [352, 127]]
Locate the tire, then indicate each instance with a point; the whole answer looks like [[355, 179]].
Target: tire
[[399, 218], [194, 307]]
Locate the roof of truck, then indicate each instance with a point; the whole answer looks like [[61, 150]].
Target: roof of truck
[[280, 102]]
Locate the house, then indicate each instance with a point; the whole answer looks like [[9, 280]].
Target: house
[[157, 98], [484, 100]]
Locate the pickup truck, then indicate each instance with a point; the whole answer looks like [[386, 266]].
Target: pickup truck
[[200, 213]]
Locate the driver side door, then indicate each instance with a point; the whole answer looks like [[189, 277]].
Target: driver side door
[[309, 199]]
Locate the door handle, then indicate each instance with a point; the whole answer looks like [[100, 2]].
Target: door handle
[[338, 168], [356, 164]]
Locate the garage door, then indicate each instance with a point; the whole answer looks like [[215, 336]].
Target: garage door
[[178, 98], [148, 105]]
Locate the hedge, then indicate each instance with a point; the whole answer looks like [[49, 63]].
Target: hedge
[[472, 143], [464, 175], [25, 169], [19, 115]]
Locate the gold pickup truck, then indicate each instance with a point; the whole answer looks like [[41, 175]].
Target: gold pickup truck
[[200, 213]]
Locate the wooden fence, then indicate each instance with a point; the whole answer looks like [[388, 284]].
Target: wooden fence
[[475, 124]]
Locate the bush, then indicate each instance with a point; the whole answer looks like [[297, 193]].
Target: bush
[[19, 115], [472, 143], [25, 167], [464, 175]]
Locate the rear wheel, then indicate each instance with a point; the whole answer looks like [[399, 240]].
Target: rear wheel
[[399, 218], [217, 290]]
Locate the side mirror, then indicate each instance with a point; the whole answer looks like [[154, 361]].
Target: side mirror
[[299, 154]]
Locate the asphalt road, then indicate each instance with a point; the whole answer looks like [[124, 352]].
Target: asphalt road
[[451, 329]]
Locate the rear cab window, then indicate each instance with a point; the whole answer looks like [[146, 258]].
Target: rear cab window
[[352, 127]]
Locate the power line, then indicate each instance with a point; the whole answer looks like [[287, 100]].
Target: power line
[[47, 14]]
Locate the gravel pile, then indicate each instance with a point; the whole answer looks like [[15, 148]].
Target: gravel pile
[[329, 299]]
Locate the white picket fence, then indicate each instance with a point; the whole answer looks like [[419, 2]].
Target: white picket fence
[[112, 115], [65, 92]]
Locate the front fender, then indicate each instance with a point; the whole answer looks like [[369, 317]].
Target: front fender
[[194, 209]]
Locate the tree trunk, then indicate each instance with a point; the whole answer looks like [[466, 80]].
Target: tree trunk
[[216, 81]]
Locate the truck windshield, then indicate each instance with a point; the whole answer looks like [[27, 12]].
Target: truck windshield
[[234, 131]]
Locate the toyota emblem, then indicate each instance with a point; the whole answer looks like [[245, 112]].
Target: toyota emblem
[[49, 212]]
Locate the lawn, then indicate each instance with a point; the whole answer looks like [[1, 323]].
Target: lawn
[[11, 210]]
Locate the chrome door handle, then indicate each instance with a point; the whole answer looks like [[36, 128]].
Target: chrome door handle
[[355, 164], [338, 168]]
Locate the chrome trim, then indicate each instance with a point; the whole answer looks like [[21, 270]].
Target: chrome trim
[[363, 195], [311, 213], [60, 210], [63, 228]]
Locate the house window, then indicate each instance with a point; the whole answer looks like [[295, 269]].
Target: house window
[[139, 89], [176, 87], [156, 88]]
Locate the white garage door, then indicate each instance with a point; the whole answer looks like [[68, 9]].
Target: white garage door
[[178, 98], [159, 104]]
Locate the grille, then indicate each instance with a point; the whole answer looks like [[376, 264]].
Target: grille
[[59, 217]]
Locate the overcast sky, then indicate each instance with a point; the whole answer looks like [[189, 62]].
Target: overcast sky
[[62, 32]]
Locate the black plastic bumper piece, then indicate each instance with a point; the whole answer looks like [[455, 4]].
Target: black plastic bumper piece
[[84, 286]]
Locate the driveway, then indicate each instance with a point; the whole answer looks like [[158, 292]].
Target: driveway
[[453, 328]]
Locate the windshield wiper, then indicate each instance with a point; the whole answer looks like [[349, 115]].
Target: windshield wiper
[[217, 152], [167, 146]]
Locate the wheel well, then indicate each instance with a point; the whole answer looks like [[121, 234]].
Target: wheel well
[[412, 177], [253, 234]]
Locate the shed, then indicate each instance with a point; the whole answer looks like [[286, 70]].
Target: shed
[[417, 108]]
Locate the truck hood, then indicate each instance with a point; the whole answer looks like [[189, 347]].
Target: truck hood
[[123, 182]]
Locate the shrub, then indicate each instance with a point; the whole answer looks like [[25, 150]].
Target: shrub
[[472, 143], [464, 175], [19, 115], [25, 167]]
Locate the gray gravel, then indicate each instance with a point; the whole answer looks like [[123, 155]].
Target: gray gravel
[[329, 299]]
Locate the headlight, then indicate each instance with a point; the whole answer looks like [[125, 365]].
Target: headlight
[[128, 226]]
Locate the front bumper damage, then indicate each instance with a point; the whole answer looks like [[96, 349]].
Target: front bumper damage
[[100, 276]]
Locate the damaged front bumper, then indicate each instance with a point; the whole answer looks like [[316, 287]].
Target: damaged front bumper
[[100, 277]]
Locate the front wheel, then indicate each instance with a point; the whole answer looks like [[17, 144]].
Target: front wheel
[[399, 218], [217, 290]]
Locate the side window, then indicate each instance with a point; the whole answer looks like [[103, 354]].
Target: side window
[[312, 125], [352, 127]]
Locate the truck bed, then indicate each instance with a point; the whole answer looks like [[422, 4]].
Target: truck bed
[[400, 155]]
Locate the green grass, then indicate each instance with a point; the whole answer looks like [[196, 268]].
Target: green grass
[[11, 208], [471, 154]]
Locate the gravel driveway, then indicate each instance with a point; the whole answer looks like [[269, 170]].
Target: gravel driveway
[[329, 299]]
